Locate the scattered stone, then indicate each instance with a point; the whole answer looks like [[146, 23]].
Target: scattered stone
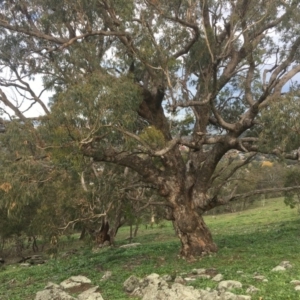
[[198, 271], [130, 245], [154, 287], [252, 289], [137, 293], [229, 285], [239, 272], [278, 269], [286, 264], [106, 275], [283, 266], [167, 278], [218, 278], [90, 294], [131, 284], [80, 283], [152, 277], [54, 293], [242, 297], [189, 279], [179, 279], [74, 281], [204, 276], [260, 278], [177, 292], [297, 288], [295, 282], [51, 285], [25, 265]]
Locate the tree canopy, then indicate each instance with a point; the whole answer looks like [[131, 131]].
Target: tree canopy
[[120, 70]]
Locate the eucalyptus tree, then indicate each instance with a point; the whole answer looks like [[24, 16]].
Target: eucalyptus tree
[[38, 195], [117, 68]]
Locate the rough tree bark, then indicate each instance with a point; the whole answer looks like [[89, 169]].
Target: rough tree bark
[[194, 235]]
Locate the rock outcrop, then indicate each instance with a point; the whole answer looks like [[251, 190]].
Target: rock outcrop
[[154, 287], [75, 284]]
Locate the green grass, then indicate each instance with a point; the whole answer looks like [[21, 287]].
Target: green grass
[[252, 241]]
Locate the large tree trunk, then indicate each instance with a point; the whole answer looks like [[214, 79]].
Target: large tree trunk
[[102, 235], [195, 237]]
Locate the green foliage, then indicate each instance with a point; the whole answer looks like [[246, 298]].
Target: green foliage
[[153, 137], [38, 195], [281, 127], [182, 126]]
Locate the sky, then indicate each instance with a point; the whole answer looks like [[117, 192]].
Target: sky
[[23, 104]]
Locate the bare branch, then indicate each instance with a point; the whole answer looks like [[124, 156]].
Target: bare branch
[[233, 171], [83, 219], [259, 192], [13, 107], [148, 203], [220, 120]]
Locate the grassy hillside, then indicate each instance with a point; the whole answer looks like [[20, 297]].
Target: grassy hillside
[[256, 240]]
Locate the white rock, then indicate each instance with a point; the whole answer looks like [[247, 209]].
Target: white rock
[[90, 294], [297, 288], [154, 287], [278, 269], [295, 282], [106, 275], [51, 294], [189, 279], [79, 278], [25, 265], [259, 277], [198, 271], [152, 276], [177, 292], [131, 283], [179, 279], [137, 293], [229, 284], [167, 278], [286, 264], [205, 276], [74, 281], [218, 278], [51, 285], [252, 289], [243, 297], [130, 245]]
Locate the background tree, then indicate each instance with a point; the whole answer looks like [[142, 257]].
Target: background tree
[[47, 191], [117, 67], [292, 178]]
